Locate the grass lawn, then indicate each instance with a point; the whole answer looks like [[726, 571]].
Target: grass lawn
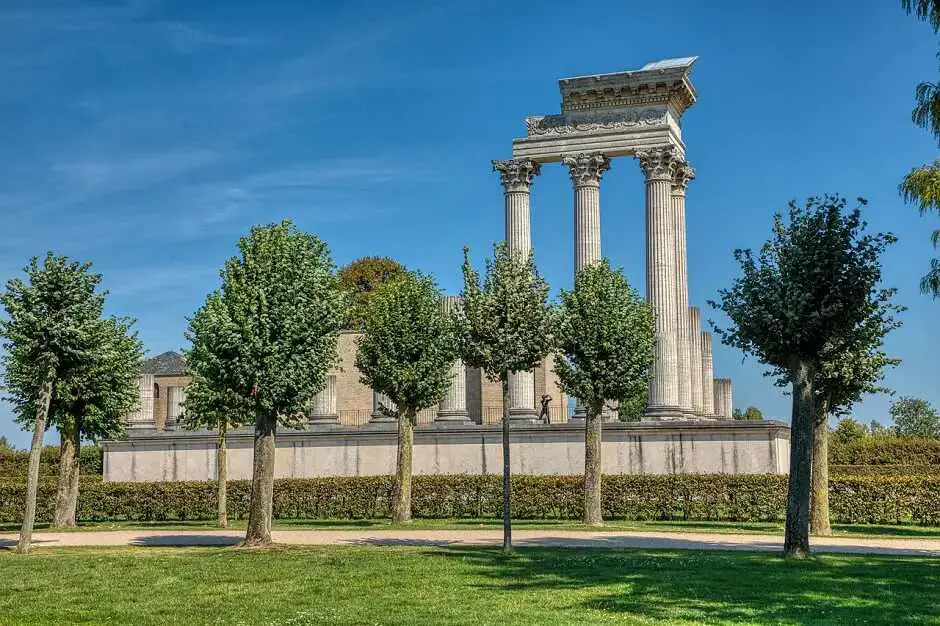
[[407, 585], [843, 530]]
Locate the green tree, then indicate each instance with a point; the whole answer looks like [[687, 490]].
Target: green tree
[[90, 403], [879, 431], [750, 413], [280, 309], [48, 333], [632, 409], [361, 278], [604, 334], [921, 186], [811, 284], [407, 352], [848, 431], [504, 326], [211, 402], [914, 417], [5, 445]]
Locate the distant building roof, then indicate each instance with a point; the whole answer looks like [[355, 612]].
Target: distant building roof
[[166, 364]]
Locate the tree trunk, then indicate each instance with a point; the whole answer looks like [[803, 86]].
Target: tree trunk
[[507, 513], [35, 450], [401, 499], [262, 485], [796, 540], [67, 491], [592, 466], [221, 476], [819, 501]]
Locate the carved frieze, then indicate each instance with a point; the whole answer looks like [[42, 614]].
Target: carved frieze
[[593, 121]]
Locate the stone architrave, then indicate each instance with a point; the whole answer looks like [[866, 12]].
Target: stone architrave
[[175, 396], [695, 339], [708, 373], [658, 164], [586, 171], [453, 406], [516, 176], [682, 175], [323, 406], [380, 400], [143, 417]]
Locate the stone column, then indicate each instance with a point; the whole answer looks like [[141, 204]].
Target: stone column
[[175, 396], [658, 164], [586, 171], [723, 407], [708, 373], [695, 337], [680, 180], [142, 418], [516, 177], [323, 406], [380, 400], [453, 406]]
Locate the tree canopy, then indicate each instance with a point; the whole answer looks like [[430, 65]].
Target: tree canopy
[[914, 417], [360, 280]]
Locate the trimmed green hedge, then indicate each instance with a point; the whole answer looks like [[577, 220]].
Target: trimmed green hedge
[[886, 451], [756, 497], [884, 470], [15, 464]]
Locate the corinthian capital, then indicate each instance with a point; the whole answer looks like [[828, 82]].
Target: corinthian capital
[[658, 163], [682, 176], [586, 169], [516, 174]]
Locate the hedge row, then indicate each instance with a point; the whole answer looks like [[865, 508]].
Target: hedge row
[[884, 470], [886, 451], [16, 464], [757, 497]]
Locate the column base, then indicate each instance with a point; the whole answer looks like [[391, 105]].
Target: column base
[[321, 420], [523, 416], [664, 413], [453, 417], [382, 418]]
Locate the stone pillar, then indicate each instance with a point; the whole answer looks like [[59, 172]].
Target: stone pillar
[[708, 373], [516, 177], [658, 164], [323, 406], [453, 406], [175, 396], [586, 171], [380, 400], [680, 180], [695, 338], [143, 417], [723, 407]]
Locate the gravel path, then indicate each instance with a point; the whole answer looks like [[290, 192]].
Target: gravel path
[[557, 538]]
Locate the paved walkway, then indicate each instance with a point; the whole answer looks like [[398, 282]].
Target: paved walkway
[[556, 538]]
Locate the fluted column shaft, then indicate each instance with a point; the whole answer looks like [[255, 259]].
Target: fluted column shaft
[[708, 374], [681, 177], [143, 416], [516, 177], [323, 406], [586, 171], [380, 400], [695, 337], [453, 406], [175, 396], [722, 392], [658, 165]]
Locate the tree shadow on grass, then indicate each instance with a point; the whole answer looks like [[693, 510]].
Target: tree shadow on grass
[[187, 540], [711, 586]]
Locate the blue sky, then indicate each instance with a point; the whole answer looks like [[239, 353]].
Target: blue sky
[[148, 136]]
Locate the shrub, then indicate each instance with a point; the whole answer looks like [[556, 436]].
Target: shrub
[[14, 464], [886, 451], [712, 497]]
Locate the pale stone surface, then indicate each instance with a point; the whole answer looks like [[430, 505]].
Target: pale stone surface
[[723, 405], [143, 417], [175, 397], [516, 176], [708, 374], [695, 339], [643, 448], [682, 175], [323, 407], [453, 407], [658, 165], [586, 171]]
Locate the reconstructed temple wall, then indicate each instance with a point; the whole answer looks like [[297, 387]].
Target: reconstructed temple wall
[[558, 449]]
